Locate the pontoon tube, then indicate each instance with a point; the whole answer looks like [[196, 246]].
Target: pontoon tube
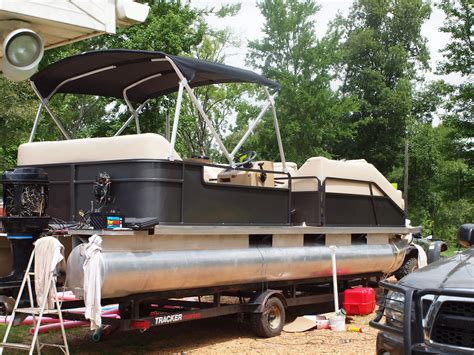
[[125, 273]]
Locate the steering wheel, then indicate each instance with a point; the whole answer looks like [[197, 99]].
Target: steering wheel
[[244, 159]]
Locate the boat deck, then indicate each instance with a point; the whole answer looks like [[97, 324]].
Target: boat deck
[[233, 230]]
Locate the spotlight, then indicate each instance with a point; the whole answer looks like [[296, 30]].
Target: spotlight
[[22, 51]]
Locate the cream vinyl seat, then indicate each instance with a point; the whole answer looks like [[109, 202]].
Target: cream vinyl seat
[[136, 146], [211, 173], [325, 168], [290, 167]]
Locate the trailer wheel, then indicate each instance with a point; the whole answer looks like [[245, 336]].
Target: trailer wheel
[[270, 322], [408, 267]]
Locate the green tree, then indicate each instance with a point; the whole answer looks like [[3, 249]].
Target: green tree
[[459, 21], [458, 58], [381, 53], [172, 26], [454, 178], [438, 196], [219, 102], [311, 114], [440, 175], [18, 107]]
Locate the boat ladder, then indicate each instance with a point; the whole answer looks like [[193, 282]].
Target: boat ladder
[[37, 313]]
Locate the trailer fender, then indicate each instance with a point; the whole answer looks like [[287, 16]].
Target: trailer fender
[[261, 299], [435, 249], [411, 252], [410, 262]]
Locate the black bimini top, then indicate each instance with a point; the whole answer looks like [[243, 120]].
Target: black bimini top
[[116, 69]]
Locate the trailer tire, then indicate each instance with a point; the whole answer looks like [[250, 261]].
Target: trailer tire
[[410, 265], [270, 322]]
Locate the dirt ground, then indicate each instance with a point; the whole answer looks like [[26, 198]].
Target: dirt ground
[[220, 336]]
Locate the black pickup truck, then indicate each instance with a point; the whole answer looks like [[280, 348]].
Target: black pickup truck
[[431, 311]]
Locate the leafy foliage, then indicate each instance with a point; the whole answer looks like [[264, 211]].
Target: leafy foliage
[[459, 54], [18, 106], [440, 197], [172, 26], [459, 23], [441, 158], [311, 112], [449, 198], [381, 52]]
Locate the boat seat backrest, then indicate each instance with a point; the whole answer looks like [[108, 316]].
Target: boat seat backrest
[[136, 146], [290, 167], [349, 176], [211, 173]]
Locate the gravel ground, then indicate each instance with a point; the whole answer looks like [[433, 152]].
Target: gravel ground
[[224, 336], [213, 336]]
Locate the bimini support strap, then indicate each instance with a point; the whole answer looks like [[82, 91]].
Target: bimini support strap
[[134, 113], [203, 114]]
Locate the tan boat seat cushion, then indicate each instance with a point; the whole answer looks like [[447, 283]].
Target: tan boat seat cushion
[[136, 146], [211, 173], [325, 168], [290, 167]]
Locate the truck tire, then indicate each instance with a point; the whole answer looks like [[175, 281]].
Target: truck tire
[[409, 265], [270, 322]]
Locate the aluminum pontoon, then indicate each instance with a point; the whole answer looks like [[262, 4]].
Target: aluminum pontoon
[[188, 226]]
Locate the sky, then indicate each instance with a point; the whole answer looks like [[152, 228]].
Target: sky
[[248, 23]]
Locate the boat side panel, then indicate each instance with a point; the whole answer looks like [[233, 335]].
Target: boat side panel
[[176, 193], [388, 214], [306, 207], [172, 192], [359, 210], [139, 189], [219, 203]]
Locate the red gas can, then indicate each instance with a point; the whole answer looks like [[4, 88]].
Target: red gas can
[[359, 301]]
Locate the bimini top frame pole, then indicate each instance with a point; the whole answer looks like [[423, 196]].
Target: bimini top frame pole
[[57, 121], [45, 101], [270, 103], [125, 65], [229, 156], [198, 105], [277, 129], [130, 106]]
